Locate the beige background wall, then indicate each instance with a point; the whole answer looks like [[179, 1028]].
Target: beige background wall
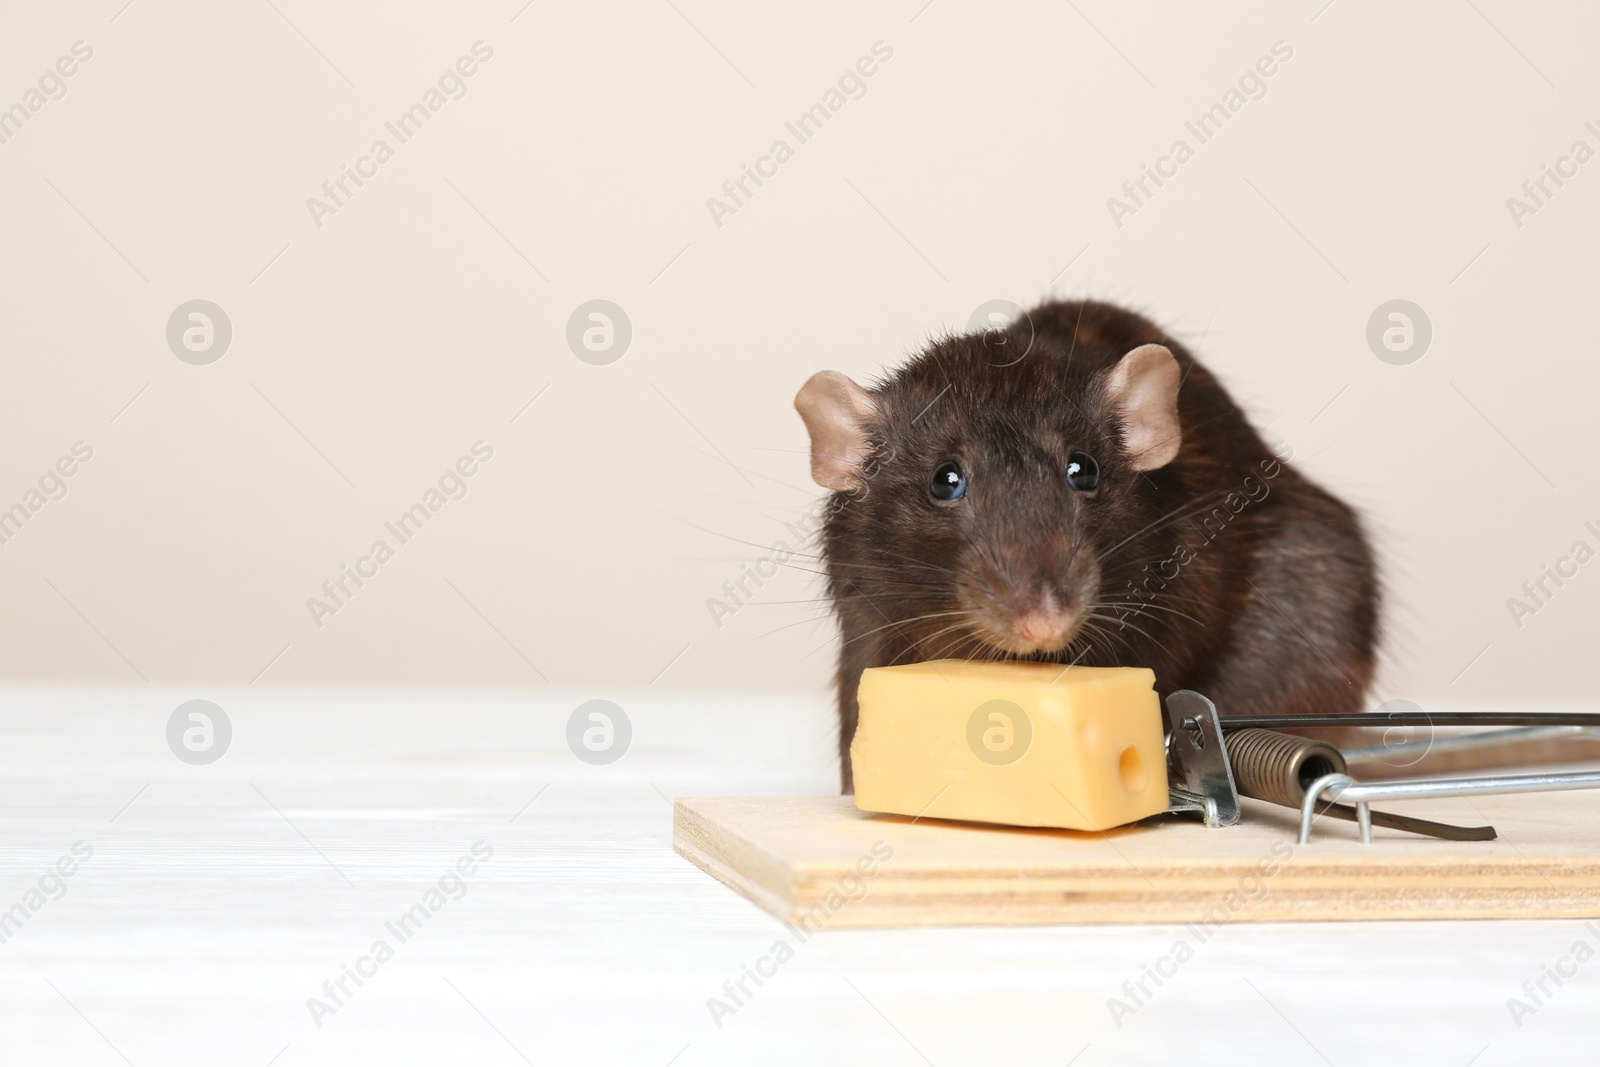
[[371, 352]]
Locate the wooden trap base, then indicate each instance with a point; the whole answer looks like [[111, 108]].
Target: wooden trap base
[[817, 861]]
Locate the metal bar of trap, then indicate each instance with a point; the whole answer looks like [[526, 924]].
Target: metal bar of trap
[[1342, 786], [1414, 718], [1200, 778], [1489, 739]]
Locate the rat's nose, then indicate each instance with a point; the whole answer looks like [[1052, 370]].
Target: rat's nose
[[1044, 623]]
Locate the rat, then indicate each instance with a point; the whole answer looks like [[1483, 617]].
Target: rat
[[1075, 487]]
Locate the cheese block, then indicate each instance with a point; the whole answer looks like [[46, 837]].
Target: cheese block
[[1023, 744]]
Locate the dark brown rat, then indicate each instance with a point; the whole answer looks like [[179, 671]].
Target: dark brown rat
[[1077, 488]]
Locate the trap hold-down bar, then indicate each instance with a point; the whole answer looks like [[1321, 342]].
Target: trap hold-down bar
[[1213, 760], [1413, 718]]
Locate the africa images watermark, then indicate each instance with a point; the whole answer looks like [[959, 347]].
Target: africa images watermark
[[51, 885], [51, 85], [451, 885], [1252, 888], [1538, 591], [1252, 85], [452, 85], [1159, 575], [1538, 191], [852, 85], [52, 486], [737, 592], [804, 530], [1537, 990], [853, 886], [338, 591]]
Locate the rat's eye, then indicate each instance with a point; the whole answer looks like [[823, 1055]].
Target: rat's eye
[[948, 485], [1083, 473]]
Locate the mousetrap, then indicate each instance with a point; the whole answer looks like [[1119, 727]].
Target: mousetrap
[[1212, 761], [1249, 835]]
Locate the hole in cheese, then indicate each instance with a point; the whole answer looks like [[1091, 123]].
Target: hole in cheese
[[1130, 769]]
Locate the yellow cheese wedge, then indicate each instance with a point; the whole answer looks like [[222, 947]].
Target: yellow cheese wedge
[[1025, 744]]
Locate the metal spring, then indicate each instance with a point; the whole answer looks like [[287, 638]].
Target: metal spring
[[1279, 767]]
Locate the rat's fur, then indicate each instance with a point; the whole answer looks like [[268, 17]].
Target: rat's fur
[[1224, 571]]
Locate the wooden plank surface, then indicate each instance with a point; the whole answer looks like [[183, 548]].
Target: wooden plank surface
[[818, 861]]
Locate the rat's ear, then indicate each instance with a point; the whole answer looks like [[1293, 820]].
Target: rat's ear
[[836, 411], [1143, 390]]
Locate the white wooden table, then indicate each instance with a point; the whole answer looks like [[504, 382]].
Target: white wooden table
[[219, 898]]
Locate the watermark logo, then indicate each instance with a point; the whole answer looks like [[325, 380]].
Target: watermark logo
[[50, 86], [1399, 332], [198, 732], [452, 485], [1402, 744], [52, 486], [1538, 191], [51, 885], [1536, 992], [737, 591], [452, 885], [338, 191], [853, 886], [199, 332], [1251, 888], [599, 732], [599, 332], [1158, 574], [738, 191], [1539, 591], [1002, 324], [1137, 192], [999, 732]]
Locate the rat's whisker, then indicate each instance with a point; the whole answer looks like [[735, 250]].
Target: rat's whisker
[[814, 620], [963, 636], [914, 562], [1140, 606], [1125, 624], [964, 646], [895, 624]]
